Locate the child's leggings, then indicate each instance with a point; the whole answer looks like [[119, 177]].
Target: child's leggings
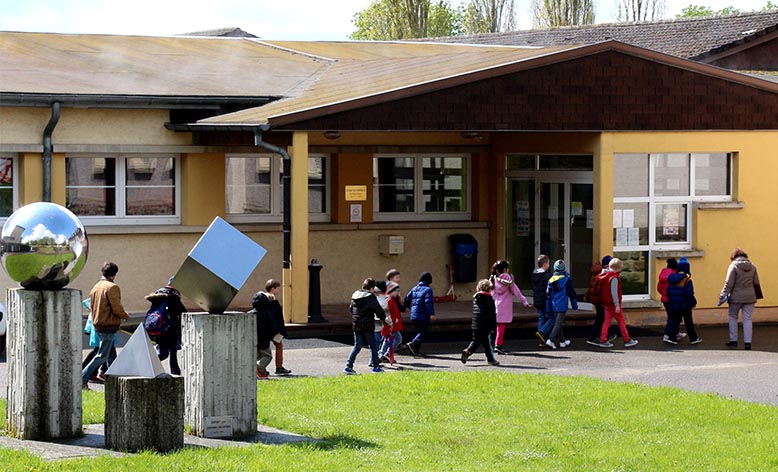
[[610, 313], [500, 334]]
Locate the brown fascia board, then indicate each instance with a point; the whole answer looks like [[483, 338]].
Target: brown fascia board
[[737, 46], [519, 66]]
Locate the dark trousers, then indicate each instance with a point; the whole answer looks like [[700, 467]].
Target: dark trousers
[[674, 318], [599, 319], [163, 352], [481, 336], [422, 326]]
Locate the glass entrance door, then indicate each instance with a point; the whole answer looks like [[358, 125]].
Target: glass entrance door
[[552, 216]]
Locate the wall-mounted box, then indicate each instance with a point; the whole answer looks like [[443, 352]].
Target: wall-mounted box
[[389, 244]]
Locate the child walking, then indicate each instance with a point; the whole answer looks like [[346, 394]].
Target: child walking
[[265, 332], [272, 290], [560, 289], [422, 305], [610, 283], [391, 334], [364, 308], [680, 303], [484, 322], [393, 275], [540, 278], [504, 291]]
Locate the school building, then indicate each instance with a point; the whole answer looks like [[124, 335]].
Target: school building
[[387, 149]]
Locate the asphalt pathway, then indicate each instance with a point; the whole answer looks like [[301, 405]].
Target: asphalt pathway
[[705, 367]]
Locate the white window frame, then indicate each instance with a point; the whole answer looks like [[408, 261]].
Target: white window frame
[[276, 197], [15, 189], [121, 217], [653, 201], [419, 214]]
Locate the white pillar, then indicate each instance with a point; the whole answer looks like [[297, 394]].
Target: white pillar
[[44, 363], [219, 361]]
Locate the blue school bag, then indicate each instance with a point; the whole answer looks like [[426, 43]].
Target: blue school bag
[[157, 321]]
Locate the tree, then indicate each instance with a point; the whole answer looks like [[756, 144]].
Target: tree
[[387, 20], [555, 13], [490, 16], [641, 10], [695, 11], [770, 6]]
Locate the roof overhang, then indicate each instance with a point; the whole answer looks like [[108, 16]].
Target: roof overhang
[[15, 99]]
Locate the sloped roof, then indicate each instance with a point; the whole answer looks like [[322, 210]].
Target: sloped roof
[[44, 63], [389, 75], [686, 37], [230, 31]]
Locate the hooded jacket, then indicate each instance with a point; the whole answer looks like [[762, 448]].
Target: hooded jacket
[[484, 317], [504, 291], [421, 302], [594, 294], [680, 292], [739, 284], [539, 286], [171, 338], [266, 329], [663, 282], [364, 308], [560, 288]]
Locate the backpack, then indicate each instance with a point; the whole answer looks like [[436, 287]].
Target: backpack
[[157, 321]]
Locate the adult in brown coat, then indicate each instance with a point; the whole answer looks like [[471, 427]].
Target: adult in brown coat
[[741, 290]]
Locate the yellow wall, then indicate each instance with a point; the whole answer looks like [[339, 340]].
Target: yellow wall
[[202, 188], [715, 232]]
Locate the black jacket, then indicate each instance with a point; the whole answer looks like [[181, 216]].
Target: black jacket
[[266, 327], [539, 286], [172, 338], [484, 313], [364, 308]]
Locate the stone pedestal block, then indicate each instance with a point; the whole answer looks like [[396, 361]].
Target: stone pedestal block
[[219, 361], [44, 363], [144, 414]]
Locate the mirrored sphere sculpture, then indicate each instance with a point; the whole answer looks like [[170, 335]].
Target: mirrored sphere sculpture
[[44, 246]]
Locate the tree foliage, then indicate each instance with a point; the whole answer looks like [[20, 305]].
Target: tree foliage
[[490, 16], [641, 10], [406, 19], [555, 13], [696, 11]]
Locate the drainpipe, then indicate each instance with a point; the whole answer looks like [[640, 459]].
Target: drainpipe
[[287, 189], [47, 148]]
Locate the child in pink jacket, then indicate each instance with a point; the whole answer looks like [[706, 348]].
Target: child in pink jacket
[[504, 291]]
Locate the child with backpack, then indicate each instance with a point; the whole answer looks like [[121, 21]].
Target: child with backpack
[[560, 289], [364, 307], [680, 303], [163, 323]]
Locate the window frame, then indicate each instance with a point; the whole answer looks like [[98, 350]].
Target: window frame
[[419, 213], [276, 197], [15, 186], [121, 217]]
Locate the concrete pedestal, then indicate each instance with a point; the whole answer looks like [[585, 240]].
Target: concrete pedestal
[[142, 413], [44, 363], [219, 373]]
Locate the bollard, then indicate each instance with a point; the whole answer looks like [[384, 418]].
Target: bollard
[[314, 293]]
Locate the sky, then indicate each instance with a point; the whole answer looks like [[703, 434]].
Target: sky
[[307, 20]]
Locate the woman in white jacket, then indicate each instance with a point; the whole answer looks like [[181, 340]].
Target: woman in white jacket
[[741, 290]]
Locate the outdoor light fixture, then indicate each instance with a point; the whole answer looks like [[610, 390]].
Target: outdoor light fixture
[[332, 134]]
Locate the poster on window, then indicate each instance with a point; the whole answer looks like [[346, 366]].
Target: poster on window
[[522, 218], [671, 220], [628, 219], [617, 218], [576, 208], [622, 237]]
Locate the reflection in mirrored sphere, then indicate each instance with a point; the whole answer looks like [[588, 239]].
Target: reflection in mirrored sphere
[[44, 246]]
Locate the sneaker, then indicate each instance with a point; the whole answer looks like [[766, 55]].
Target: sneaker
[[385, 360], [349, 371], [632, 342], [604, 344], [680, 336], [411, 349], [551, 344], [593, 342], [465, 355], [697, 341], [500, 350], [282, 371], [731, 344], [261, 376], [613, 338], [747, 346], [96, 379], [494, 362], [377, 370], [566, 343], [540, 337], [666, 339]]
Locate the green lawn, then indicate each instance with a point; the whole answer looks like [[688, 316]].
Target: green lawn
[[491, 421]]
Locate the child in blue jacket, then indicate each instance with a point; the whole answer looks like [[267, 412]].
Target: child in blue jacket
[[681, 302], [560, 289], [422, 305]]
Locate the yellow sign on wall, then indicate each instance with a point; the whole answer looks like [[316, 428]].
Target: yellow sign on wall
[[356, 193]]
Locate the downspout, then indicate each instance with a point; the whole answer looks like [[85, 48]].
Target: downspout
[[287, 230], [47, 148]]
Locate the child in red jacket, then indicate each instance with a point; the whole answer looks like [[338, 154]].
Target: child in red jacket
[[391, 334], [610, 284]]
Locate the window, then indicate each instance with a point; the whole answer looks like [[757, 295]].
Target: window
[[653, 197], [119, 189], [8, 192], [421, 186], [254, 188]]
